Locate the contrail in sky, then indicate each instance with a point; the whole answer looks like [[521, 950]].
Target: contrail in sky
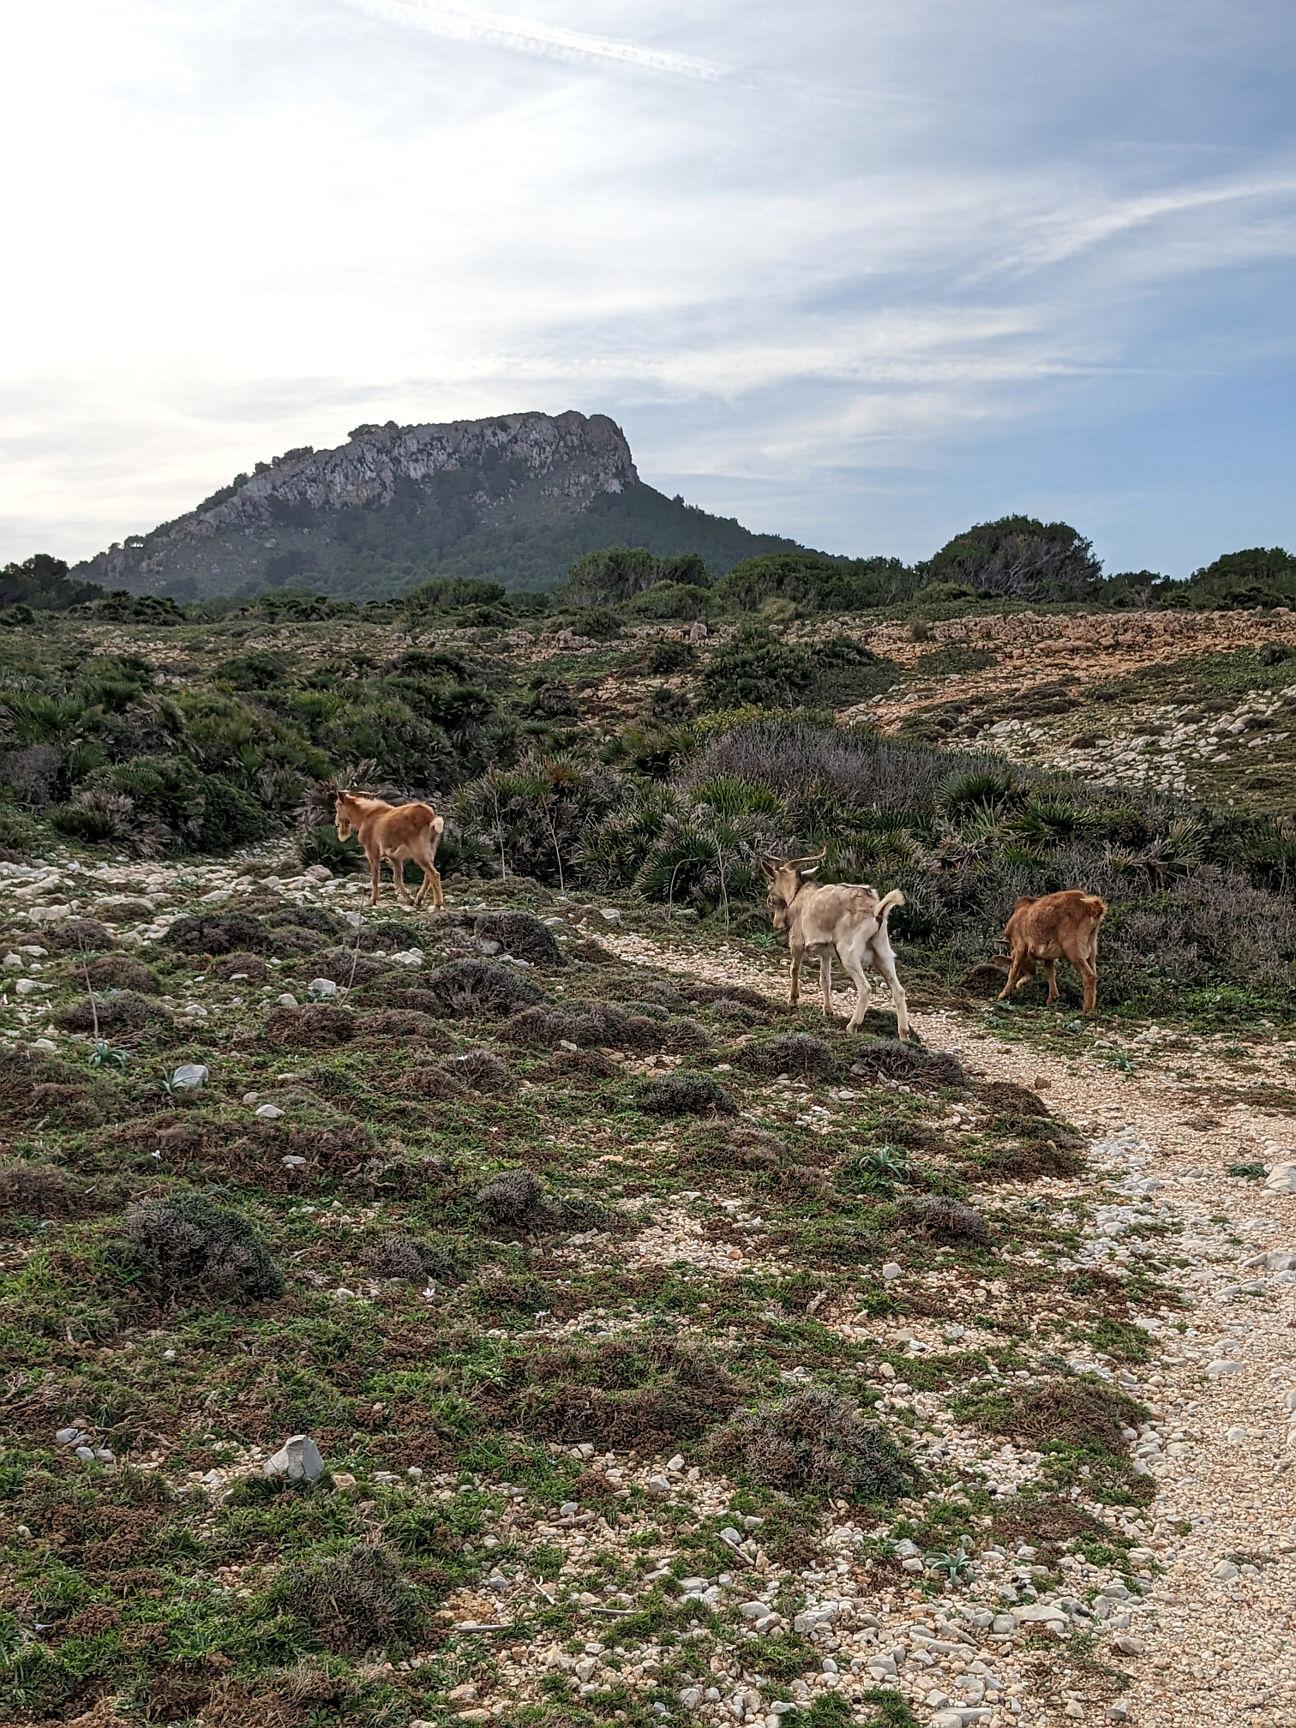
[[466, 23]]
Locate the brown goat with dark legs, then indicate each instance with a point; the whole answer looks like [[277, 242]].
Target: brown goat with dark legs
[[844, 920], [393, 832], [1049, 928]]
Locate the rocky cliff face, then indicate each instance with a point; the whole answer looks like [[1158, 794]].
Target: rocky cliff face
[[516, 467], [515, 499], [571, 457]]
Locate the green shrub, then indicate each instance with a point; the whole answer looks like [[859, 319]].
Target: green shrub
[[1020, 557], [599, 623], [153, 804], [674, 600], [755, 666], [670, 655], [534, 817], [320, 845], [814, 583]]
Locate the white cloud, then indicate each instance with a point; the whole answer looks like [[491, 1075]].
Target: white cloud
[[500, 30], [782, 247]]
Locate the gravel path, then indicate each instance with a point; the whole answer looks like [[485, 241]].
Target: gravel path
[[1216, 1641]]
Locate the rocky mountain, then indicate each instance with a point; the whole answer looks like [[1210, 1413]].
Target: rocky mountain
[[515, 498]]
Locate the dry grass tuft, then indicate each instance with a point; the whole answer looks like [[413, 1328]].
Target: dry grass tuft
[[79, 934], [949, 1220], [796, 1053], [1077, 1412], [311, 1026], [813, 1443], [636, 1393], [592, 1024], [120, 972], [40, 1191], [685, 1095], [184, 1244], [127, 1011], [358, 1600], [475, 988], [890, 1059], [481, 1070]]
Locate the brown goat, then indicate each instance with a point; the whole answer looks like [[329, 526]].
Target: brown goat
[[1049, 928], [393, 832]]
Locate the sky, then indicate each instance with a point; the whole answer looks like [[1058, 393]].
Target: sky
[[850, 271]]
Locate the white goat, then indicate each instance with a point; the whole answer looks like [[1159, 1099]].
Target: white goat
[[848, 920]]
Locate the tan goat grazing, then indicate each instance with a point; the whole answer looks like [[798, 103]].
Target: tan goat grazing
[[845, 920], [393, 832], [1050, 928]]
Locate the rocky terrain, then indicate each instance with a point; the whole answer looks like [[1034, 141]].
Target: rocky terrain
[[1083, 1372], [1153, 700], [521, 1315]]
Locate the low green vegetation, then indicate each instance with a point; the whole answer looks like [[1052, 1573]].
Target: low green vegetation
[[592, 1268]]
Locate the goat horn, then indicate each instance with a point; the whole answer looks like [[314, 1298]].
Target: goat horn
[[814, 858]]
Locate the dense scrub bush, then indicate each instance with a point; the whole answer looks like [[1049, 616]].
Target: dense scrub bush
[[534, 816], [685, 1095], [1198, 899], [319, 844], [892, 1060], [161, 804], [795, 1053], [674, 600], [218, 762], [470, 989], [357, 1600], [520, 935], [812, 583], [669, 655], [946, 1219], [813, 1443], [619, 573], [757, 667], [183, 1245], [1021, 557]]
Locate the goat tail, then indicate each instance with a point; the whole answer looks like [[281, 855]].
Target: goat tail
[[1097, 905], [888, 903]]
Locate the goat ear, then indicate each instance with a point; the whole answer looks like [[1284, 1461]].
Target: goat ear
[[770, 868], [1002, 961]]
